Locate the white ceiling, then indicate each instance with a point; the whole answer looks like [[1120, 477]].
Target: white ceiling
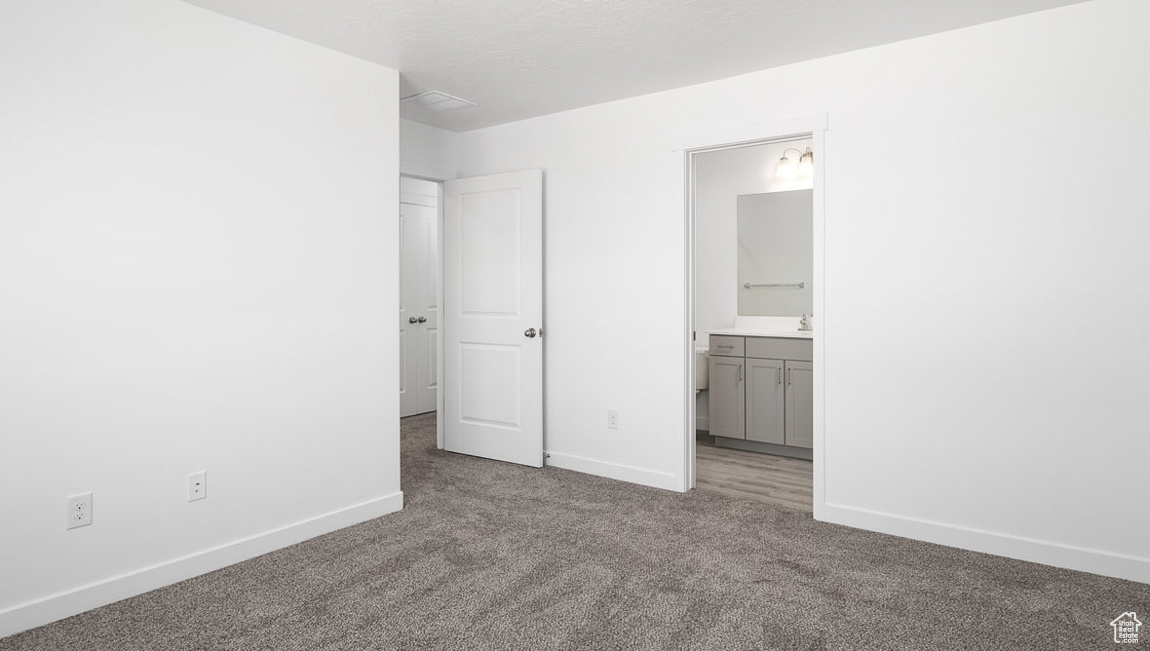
[[522, 58]]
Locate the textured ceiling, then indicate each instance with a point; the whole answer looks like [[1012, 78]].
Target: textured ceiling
[[522, 58]]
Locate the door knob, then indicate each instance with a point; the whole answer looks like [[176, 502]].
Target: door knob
[[422, 319], [529, 333], [411, 319]]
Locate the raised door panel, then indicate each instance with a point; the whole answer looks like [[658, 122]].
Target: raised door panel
[[765, 401], [726, 397], [428, 395], [800, 393], [407, 398], [489, 255]]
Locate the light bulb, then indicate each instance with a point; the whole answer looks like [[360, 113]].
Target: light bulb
[[807, 164], [785, 170]]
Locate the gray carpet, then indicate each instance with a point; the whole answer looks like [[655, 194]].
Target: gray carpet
[[488, 555]]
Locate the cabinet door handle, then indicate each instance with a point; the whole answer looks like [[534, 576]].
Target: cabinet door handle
[[778, 375], [790, 376], [740, 367]]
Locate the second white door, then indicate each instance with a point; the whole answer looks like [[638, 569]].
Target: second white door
[[418, 303]]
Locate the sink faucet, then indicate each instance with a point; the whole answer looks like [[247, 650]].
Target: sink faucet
[[805, 325]]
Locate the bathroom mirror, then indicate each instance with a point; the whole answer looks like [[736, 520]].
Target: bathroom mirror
[[776, 253]]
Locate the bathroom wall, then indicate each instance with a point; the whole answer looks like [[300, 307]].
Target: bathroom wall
[[980, 391], [720, 177], [198, 271]]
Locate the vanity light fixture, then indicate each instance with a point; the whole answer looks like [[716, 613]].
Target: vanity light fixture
[[786, 168]]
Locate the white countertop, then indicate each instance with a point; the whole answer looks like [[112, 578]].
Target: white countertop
[[746, 332]]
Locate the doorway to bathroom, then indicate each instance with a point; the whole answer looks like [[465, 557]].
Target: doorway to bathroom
[[755, 250]]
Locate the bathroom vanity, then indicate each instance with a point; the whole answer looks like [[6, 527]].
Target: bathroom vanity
[[761, 390]]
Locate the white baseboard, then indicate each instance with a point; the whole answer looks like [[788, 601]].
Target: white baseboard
[[611, 470], [1131, 568], [72, 602]]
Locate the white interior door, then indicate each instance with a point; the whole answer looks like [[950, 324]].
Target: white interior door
[[418, 300], [492, 324]]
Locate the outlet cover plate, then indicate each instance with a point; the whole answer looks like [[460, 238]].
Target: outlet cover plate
[[197, 486], [79, 510]]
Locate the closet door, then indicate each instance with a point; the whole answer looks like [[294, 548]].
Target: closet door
[[418, 300]]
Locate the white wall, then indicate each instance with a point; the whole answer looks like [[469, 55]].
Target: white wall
[[197, 272], [428, 152], [980, 390]]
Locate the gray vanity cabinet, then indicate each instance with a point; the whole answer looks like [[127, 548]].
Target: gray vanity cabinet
[[727, 398], [762, 393], [800, 404], [765, 401]]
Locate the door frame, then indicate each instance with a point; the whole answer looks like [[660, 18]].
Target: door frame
[[434, 178], [685, 147]]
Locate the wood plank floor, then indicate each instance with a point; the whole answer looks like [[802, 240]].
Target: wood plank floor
[[762, 477]]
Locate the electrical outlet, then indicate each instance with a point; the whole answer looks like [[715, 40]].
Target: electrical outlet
[[79, 510], [197, 486], [612, 419]]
